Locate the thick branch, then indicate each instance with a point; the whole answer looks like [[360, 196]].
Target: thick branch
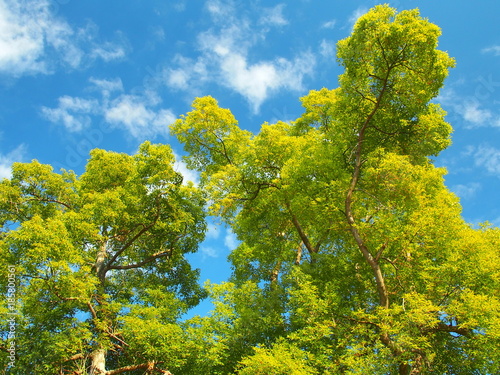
[[129, 243], [92, 311], [300, 231], [299, 254], [149, 366], [75, 357], [442, 327], [145, 261]]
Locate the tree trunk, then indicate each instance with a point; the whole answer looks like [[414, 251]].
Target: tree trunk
[[98, 365], [100, 263]]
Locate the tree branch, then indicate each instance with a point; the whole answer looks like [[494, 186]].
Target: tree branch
[[298, 258], [442, 327], [48, 200], [149, 366], [142, 263], [129, 243], [92, 311], [300, 231], [75, 357]]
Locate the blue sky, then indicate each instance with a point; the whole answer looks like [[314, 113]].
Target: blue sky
[[77, 75]]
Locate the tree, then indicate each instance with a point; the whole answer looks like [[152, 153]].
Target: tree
[[347, 224], [99, 264]]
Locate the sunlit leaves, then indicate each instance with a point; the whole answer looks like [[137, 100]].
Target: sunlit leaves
[[347, 224], [99, 260]]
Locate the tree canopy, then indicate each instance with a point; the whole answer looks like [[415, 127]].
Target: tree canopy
[[358, 251], [99, 261], [353, 258]]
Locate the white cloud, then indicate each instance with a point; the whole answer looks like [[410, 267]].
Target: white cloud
[[256, 82], [178, 78], [327, 48], [487, 157], [22, 30], [74, 113], [108, 52], [209, 252], [189, 175], [356, 14], [329, 24], [220, 9], [33, 40], [133, 113], [466, 191], [106, 86], [16, 155], [213, 231], [138, 115], [187, 72], [226, 58], [493, 49], [469, 109], [273, 16], [473, 113], [230, 240]]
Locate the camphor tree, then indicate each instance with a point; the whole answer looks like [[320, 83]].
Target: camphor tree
[[354, 256], [99, 264]]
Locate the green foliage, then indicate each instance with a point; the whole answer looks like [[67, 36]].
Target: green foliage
[[98, 262], [351, 244], [353, 255], [281, 359]]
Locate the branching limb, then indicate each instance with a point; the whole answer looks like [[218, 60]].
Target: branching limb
[[300, 231], [144, 262], [144, 229], [149, 367]]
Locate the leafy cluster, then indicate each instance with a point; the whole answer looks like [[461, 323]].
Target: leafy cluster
[[99, 262]]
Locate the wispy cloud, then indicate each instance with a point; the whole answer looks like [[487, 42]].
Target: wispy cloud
[[495, 50], [134, 114], [273, 16], [469, 108], [474, 114], [466, 191], [33, 40], [209, 252], [6, 160], [230, 240], [329, 24], [487, 157], [107, 86], [73, 112], [353, 18], [213, 231], [224, 57], [108, 51], [189, 175], [327, 48], [140, 115]]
